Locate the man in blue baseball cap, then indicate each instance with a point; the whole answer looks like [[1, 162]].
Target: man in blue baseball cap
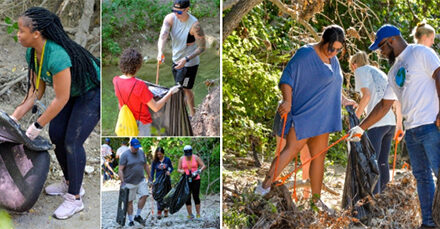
[[414, 79], [132, 165]]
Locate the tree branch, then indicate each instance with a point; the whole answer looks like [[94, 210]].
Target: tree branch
[[229, 4], [285, 9], [233, 18], [12, 83]]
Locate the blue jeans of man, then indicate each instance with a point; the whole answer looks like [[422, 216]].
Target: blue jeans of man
[[423, 144]]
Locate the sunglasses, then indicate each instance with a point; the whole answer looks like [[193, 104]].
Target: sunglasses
[[381, 45], [331, 49], [179, 12]]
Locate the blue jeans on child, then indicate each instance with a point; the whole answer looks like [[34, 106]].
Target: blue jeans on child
[[380, 137], [423, 144], [68, 131]]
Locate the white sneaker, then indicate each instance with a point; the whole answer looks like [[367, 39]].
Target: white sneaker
[[259, 190], [59, 189], [69, 207]]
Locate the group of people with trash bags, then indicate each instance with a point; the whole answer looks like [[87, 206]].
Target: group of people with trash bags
[[311, 87], [133, 164]]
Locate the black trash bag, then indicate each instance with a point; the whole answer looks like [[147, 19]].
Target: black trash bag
[[24, 165], [122, 206], [173, 117], [362, 173], [436, 203], [178, 196], [161, 187]]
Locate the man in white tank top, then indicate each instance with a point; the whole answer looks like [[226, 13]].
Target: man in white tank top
[[188, 42]]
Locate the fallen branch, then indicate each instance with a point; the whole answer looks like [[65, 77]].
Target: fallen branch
[[231, 190], [62, 7], [12, 83], [306, 183], [209, 185]]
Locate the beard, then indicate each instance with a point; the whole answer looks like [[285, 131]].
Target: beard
[[391, 56]]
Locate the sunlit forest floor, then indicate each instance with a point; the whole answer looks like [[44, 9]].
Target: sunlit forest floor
[[396, 207]]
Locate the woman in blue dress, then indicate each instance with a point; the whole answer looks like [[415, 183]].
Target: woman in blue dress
[[311, 86]]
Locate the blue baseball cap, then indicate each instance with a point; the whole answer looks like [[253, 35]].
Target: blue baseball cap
[[384, 32], [135, 143]]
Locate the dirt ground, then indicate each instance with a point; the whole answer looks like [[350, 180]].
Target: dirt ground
[[13, 64], [246, 177], [210, 212]]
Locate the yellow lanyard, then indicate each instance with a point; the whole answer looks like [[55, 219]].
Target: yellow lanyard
[[37, 84]]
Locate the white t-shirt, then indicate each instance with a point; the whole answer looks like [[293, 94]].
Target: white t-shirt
[[376, 81], [417, 94], [121, 150], [106, 150], [329, 66]]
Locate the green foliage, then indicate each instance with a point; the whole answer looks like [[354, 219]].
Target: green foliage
[[255, 54], [123, 19], [12, 28], [5, 220], [251, 69]]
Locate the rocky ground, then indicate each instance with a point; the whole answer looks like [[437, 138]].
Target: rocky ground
[[210, 212], [206, 121]]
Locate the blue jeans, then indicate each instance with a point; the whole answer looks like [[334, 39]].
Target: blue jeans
[[423, 144], [68, 131], [380, 137]]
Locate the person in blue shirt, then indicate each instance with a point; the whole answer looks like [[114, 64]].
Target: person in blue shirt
[[161, 165], [311, 86], [56, 60]]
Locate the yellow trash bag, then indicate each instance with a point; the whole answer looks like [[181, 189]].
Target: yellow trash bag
[[126, 124]]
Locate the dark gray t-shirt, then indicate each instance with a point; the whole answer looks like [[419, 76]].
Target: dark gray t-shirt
[[134, 166]]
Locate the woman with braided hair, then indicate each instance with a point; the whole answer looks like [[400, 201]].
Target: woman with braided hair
[[56, 60]]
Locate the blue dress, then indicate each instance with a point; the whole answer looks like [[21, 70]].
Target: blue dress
[[316, 94]]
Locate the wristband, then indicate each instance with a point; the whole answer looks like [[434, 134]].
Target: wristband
[[187, 59], [36, 124]]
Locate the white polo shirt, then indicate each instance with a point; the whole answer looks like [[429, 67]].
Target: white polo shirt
[[417, 94]]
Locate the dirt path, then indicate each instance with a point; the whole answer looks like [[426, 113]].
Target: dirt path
[[210, 208]]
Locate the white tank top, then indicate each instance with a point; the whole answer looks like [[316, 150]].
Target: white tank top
[[179, 35]]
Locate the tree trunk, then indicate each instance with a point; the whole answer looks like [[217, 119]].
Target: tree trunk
[[84, 23], [233, 18]]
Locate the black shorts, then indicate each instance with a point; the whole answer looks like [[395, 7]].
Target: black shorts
[[185, 76]]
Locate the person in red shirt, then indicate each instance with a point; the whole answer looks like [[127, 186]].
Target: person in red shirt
[[135, 92]]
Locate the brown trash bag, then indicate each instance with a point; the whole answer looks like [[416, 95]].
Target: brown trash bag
[[172, 119]]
